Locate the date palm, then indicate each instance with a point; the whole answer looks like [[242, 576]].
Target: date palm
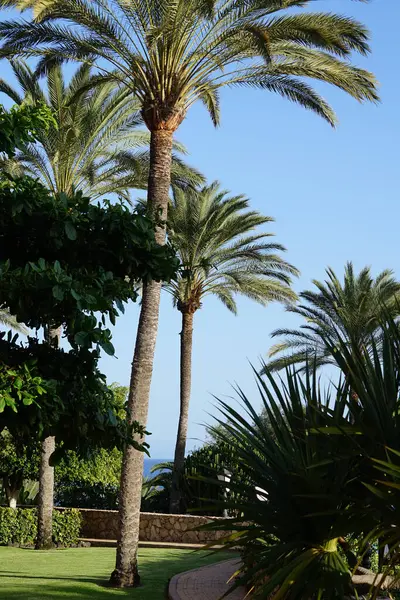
[[97, 146], [10, 322], [172, 53], [352, 311], [224, 253]]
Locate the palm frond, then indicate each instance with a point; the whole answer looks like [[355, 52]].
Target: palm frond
[[224, 252], [352, 310], [171, 54]]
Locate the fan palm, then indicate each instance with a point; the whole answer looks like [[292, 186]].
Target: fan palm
[[97, 146], [352, 310], [224, 253], [171, 53]]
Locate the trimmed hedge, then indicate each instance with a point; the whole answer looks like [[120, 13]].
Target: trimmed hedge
[[66, 526], [19, 527]]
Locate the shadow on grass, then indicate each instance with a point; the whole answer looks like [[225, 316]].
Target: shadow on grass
[[156, 569], [77, 592]]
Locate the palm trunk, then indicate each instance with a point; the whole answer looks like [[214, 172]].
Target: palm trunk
[[126, 569], [46, 494], [46, 476], [185, 389]]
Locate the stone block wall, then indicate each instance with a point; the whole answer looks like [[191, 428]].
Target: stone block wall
[[176, 528], [154, 527]]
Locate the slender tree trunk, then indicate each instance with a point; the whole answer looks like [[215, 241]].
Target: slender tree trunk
[[185, 389], [12, 489], [46, 476], [126, 572], [46, 494]]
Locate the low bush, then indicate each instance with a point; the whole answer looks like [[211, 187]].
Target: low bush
[[66, 527], [83, 494], [19, 527]]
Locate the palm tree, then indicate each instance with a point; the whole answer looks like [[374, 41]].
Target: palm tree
[[352, 311], [223, 253], [11, 322], [171, 53], [97, 146]]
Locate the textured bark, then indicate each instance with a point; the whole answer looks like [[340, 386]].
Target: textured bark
[[126, 569], [364, 580], [185, 390], [46, 475], [46, 494]]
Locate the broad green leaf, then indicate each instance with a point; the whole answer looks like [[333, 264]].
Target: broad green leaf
[[108, 348], [58, 293], [70, 231]]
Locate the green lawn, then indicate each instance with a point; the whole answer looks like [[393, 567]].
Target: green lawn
[[82, 573]]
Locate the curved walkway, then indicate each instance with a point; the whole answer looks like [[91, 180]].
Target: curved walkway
[[206, 583]]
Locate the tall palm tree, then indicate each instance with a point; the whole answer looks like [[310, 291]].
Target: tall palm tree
[[171, 53], [97, 146], [352, 311], [224, 253]]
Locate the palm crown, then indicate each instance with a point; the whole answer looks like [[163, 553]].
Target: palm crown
[[97, 146], [11, 322], [351, 311], [222, 253], [172, 53]]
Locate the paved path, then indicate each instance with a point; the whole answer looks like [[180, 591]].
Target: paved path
[[207, 583]]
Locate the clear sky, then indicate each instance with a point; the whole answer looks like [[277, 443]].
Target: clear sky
[[333, 193]]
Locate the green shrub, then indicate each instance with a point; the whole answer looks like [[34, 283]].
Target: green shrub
[[8, 519], [85, 494], [17, 526], [66, 526], [20, 526]]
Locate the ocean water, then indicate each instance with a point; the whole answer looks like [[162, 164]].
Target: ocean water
[[150, 462]]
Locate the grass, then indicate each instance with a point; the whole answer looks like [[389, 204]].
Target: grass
[[82, 573]]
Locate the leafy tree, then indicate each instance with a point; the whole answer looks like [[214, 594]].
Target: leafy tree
[[101, 466], [95, 144], [92, 481], [224, 253], [20, 457], [352, 310], [21, 125], [172, 53], [62, 261]]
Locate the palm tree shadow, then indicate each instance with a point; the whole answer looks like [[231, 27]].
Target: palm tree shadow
[[77, 578], [74, 591]]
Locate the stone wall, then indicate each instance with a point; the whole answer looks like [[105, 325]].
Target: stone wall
[[176, 528], [154, 527]]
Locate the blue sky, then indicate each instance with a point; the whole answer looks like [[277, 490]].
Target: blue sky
[[333, 193]]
